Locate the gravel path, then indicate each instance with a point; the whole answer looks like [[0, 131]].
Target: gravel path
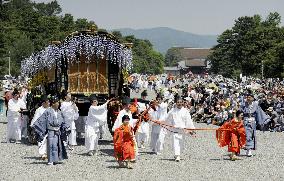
[[202, 160]]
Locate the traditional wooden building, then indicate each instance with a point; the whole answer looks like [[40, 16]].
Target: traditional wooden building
[[194, 60]]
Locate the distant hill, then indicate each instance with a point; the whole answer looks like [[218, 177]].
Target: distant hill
[[164, 38]]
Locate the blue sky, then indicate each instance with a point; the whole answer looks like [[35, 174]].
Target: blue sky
[[209, 17]]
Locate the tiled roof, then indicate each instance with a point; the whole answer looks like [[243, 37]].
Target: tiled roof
[[194, 53]]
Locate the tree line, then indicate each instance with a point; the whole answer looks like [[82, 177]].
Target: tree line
[[27, 27], [252, 47]]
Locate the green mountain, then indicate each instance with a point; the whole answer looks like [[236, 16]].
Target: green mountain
[[164, 38]]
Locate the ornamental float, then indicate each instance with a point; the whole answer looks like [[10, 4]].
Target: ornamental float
[[86, 62]]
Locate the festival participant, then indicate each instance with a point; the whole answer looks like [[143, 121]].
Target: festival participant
[[180, 118], [144, 129], [15, 105], [39, 111], [124, 143], [96, 115], [42, 145], [124, 111], [7, 96], [52, 123], [158, 113], [253, 115], [234, 135], [70, 113], [24, 113]]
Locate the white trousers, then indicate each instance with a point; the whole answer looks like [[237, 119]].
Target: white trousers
[[178, 144], [14, 130], [142, 137], [102, 129], [91, 138], [42, 146], [157, 141], [72, 137]]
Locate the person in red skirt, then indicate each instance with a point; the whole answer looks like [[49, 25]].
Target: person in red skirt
[[124, 143], [233, 134]]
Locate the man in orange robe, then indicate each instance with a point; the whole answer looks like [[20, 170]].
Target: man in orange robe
[[233, 134], [124, 144]]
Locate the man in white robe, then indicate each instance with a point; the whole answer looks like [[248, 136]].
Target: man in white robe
[[158, 133], [70, 113], [180, 118], [15, 105], [24, 115], [143, 132], [124, 111], [39, 111], [96, 115]]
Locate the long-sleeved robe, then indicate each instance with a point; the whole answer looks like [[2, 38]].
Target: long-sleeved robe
[[233, 134], [142, 135], [70, 114], [14, 119], [51, 122], [39, 111], [96, 116], [253, 116], [158, 133], [132, 124], [41, 144], [124, 143], [179, 118]]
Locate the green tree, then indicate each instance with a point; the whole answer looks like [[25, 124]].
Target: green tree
[[246, 47], [145, 58], [173, 56], [48, 9], [82, 24]]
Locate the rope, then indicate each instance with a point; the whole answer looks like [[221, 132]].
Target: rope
[[164, 125]]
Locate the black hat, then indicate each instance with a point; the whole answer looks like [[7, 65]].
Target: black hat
[[125, 117], [43, 98], [125, 100], [177, 98], [93, 97], [15, 92], [53, 99], [144, 93]]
